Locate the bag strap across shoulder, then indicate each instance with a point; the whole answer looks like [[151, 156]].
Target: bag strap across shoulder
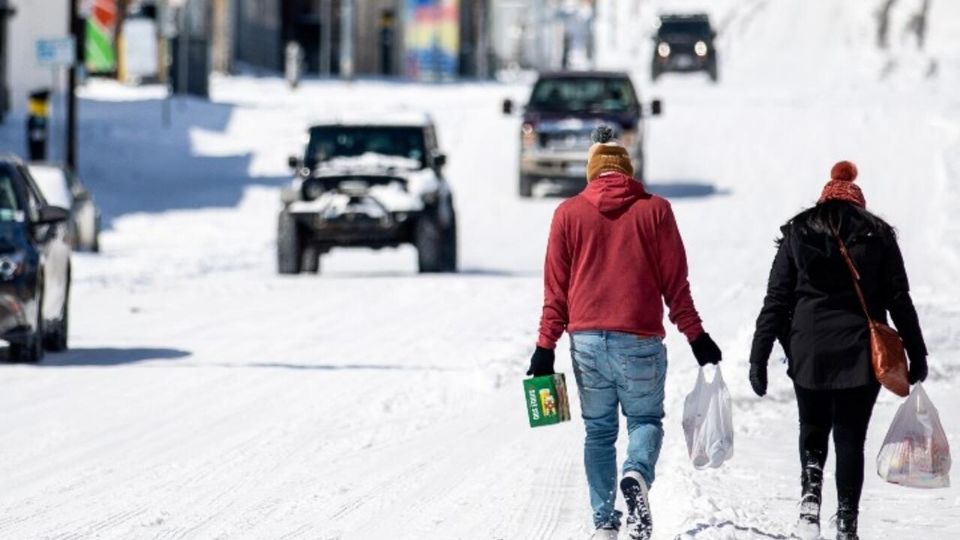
[[853, 272]]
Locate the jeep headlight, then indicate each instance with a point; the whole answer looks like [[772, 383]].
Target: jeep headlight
[[312, 189], [11, 265], [663, 49], [700, 48]]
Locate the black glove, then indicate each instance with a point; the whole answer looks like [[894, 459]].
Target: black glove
[[918, 369], [541, 363], [705, 350], [758, 378]]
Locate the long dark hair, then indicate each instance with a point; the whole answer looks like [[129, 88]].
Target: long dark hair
[[826, 217]]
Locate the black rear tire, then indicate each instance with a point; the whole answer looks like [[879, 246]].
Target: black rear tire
[[310, 260], [714, 74], [289, 250], [428, 242], [436, 244], [27, 352], [30, 350], [526, 186], [55, 338], [449, 239]]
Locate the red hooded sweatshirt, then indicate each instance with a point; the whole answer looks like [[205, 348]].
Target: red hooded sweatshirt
[[614, 256]]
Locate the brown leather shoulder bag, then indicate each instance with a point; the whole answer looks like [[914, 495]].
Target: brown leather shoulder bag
[[886, 348]]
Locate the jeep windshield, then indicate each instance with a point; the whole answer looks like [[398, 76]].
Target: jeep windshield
[[332, 142], [583, 95]]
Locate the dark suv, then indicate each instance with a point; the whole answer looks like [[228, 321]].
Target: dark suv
[[564, 108], [34, 266], [684, 43]]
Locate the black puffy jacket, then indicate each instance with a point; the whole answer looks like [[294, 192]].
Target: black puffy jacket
[[811, 306]]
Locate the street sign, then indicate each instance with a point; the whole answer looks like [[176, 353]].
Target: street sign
[[56, 52]]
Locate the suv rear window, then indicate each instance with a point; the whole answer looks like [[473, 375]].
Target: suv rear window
[[328, 142], [583, 94], [10, 208]]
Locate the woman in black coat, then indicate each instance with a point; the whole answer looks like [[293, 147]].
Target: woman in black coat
[[811, 307]]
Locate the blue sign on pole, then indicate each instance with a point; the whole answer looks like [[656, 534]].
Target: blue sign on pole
[[56, 52]]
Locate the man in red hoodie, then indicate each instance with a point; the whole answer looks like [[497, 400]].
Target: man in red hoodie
[[614, 257]]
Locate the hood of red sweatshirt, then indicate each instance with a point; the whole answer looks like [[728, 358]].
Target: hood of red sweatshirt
[[612, 191]]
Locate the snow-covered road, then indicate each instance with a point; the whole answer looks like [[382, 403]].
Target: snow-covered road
[[207, 397]]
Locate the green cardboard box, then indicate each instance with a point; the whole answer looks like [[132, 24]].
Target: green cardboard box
[[547, 401]]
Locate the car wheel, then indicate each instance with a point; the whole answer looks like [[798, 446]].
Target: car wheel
[[30, 350], [639, 171], [310, 260], [429, 244], [714, 75], [55, 338], [289, 256], [526, 186], [449, 241]]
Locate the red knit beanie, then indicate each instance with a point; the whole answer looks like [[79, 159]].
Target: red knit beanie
[[841, 186]]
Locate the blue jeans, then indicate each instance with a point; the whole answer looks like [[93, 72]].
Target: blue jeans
[[613, 368]]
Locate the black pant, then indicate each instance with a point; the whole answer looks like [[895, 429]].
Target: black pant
[[847, 412]]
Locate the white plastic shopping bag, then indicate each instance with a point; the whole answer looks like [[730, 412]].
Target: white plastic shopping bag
[[708, 422], [916, 452]]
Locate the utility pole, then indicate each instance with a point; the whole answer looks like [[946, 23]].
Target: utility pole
[[324, 26], [183, 48], [75, 28], [346, 39]]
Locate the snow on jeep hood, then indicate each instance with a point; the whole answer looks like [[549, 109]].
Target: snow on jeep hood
[[396, 198], [372, 161]]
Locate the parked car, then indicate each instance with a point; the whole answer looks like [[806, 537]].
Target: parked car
[[368, 182], [563, 109], [34, 266], [685, 43], [63, 188]]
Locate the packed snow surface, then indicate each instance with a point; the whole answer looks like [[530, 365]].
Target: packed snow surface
[[204, 396]]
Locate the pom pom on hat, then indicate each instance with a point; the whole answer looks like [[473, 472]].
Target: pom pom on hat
[[841, 186], [602, 134], [844, 171], [606, 154]]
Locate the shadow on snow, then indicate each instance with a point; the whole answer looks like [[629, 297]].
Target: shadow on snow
[[153, 168], [107, 356]]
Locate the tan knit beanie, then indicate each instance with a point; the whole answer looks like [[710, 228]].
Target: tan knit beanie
[[606, 155]]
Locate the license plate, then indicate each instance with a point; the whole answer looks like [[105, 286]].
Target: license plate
[[684, 61]]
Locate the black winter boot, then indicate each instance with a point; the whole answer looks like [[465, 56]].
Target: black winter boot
[[639, 519], [847, 521], [808, 526]]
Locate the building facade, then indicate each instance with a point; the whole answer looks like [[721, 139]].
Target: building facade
[[24, 22], [381, 35]]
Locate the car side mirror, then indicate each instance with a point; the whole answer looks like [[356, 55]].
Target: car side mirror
[[294, 162], [52, 214], [439, 160], [508, 107], [656, 107]]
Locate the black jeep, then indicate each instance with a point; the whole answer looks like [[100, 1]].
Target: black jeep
[[685, 43], [368, 183]]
